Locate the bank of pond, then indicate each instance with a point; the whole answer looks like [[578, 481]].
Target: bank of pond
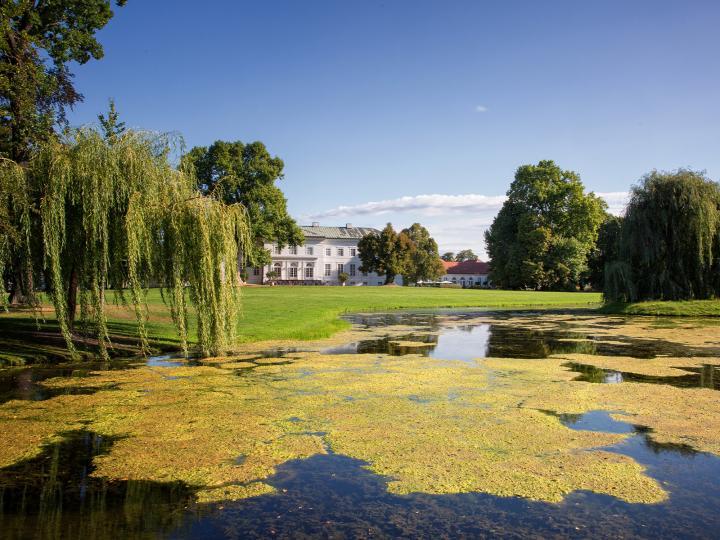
[[407, 424]]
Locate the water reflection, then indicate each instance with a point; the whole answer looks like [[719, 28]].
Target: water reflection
[[54, 496], [704, 376], [455, 336]]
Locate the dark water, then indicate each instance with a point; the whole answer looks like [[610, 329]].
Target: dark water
[[460, 339], [25, 383], [705, 376], [334, 496]]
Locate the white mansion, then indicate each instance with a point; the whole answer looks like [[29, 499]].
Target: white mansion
[[327, 253]]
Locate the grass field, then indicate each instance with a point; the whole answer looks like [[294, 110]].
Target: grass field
[[274, 313], [685, 308]]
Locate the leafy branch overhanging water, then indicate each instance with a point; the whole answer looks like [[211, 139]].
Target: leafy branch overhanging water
[[87, 214]]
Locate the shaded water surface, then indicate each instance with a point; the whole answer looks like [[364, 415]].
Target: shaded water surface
[[456, 336], [54, 494]]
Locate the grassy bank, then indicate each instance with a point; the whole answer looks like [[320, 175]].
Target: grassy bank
[[274, 313], [685, 308]]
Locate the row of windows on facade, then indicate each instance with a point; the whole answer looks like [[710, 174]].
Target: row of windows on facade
[[310, 270], [470, 280], [309, 250]]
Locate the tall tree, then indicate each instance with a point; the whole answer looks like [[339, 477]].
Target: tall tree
[[423, 262], [116, 214], [448, 256], [669, 241], [542, 235], [606, 250], [385, 253], [39, 39], [235, 172], [466, 255]]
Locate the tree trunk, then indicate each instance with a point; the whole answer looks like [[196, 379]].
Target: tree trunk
[[22, 286], [72, 298]]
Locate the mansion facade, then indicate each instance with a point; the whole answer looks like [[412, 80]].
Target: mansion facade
[[327, 253]]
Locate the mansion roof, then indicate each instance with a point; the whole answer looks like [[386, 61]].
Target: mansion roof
[[336, 233], [466, 267]]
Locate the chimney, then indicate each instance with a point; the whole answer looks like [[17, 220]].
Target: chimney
[[348, 226], [315, 223]]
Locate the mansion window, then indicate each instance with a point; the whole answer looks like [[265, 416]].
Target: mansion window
[[341, 268], [293, 250], [353, 252], [352, 269], [308, 250], [309, 270], [341, 252], [256, 271], [328, 251], [328, 269], [278, 250], [293, 270]]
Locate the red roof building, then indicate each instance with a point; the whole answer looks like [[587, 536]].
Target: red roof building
[[466, 273]]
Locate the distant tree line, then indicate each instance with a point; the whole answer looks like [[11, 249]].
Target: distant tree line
[[551, 235], [411, 253], [461, 256]]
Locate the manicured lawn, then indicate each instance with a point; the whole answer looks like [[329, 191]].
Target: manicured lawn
[[278, 313], [687, 308]]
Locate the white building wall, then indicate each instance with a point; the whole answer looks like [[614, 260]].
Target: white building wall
[[467, 279], [319, 253]]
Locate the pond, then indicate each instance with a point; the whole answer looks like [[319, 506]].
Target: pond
[[430, 424]]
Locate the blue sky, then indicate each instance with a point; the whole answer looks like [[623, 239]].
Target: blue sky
[[423, 108]]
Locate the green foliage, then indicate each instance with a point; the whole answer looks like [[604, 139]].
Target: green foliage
[[272, 275], [605, 252], [343, 277], [545, 230], [280, 313], [385, 253], [466, 255], [37, 42], [110, 124], [15, 226], [669, 241], [423, 262], [235, 172], [448, 256], [118, 215]]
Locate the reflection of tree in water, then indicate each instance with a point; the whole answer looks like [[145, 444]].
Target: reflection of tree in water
[[393, 346], [588, 373], [54, 496], [705, 376], [506, 341]]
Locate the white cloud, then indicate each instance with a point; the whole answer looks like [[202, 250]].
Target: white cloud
[[455, 221], [418, 203], [481, 108], [616, 201]]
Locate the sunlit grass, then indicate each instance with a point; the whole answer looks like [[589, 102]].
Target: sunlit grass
[[685, 308], [277, 313]]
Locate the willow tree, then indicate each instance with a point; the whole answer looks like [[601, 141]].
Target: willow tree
[[669, 247], [115, 214]]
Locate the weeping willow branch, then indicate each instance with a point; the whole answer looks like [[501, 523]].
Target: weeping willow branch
[[117, 215], [669, 245]]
